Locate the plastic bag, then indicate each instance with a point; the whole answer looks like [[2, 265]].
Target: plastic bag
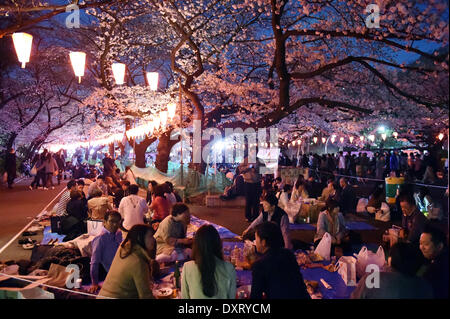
[[362, 204], [346, 268], [366, 257], [324, 247]]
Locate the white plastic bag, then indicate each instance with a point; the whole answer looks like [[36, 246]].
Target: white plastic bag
[[346, 268], [383, 214], [324, 247], [366, 257], [94, 227], [362, 204]]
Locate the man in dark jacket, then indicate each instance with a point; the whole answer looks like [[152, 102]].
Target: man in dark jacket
[[10, 166], [108, 165], [413, 220], [275, 275], [434, 249]]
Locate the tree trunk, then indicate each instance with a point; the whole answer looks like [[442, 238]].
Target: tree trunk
[[11, 139], [112, 151], [140, 150], [163, 151]]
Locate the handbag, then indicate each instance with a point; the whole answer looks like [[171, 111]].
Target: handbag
[[346, 268], [33, 171], [55, 224]]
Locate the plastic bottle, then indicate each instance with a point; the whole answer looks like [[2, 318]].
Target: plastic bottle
[[176, 275]]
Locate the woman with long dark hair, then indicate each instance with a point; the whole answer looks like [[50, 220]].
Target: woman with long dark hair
[[208, 275], [130, 274], [160, 204]]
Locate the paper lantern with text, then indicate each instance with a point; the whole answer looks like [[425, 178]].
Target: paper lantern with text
[[22, 43], [441, 136], [315, 139], [78, 60], [152, 78], [118, 72]]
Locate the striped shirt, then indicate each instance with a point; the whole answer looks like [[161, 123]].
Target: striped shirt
[[62, 204]]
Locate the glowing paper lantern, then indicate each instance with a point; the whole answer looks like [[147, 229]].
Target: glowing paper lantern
[[118, 72], [333, 138], [78, 60], [383, 136], [156, 122], [440, 136], [324, 140], [171, 108], [341, 139], [163, 117], [150, 127], [351, 139], [152, 78], [22, 44], [361, 138], [315, 139], [395, 134], [372, 137]]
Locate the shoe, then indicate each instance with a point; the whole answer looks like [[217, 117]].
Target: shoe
[[31, 188], [53, 187], [28, 246], [45, 188], [29, 233]]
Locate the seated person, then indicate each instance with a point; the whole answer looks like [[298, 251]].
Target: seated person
[[401, 281], [132, 208], [331, 221], [278, 184], [74, 224], [271, 212], [427, 205], [377, 206], [61, 207], [168, 193], [98, 184], [327, 191], [235, 190], [433, 244], [80, 187], [124, 191], [171, 235], [150, 191], [284, 196], [98, 205], [160, 204], [413, 220], [104, 248], [312, 187], [208, 275], [130, 274], [299, 191], [275, 275], [348, 200]]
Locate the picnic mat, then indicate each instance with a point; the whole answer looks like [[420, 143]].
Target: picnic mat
[[48, 235], [359, 226], [302, 226], [196, 223], [339, 289]]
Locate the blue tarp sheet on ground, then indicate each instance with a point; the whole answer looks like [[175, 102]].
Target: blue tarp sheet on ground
[[349, 225], [196, 223], [339, 288], [48, 235], [302, 227]]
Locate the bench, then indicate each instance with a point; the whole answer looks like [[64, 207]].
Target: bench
[[215, 201]]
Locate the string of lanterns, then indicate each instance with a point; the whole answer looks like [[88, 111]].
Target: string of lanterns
[[23, 43]]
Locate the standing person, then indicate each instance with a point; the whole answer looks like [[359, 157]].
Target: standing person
[[411, 163], [60, 161], [130, 274], [393, 163], [108, 165], [418, 167], [380, 167], [10, 167], [341, 165], [348, 200], [104, 248], [132, 208], [276, 274], [252, 189], [50, 168], [208, 275]]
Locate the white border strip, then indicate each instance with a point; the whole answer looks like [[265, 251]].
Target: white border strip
[[32, 221]]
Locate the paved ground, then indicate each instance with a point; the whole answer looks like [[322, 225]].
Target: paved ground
[[18, 206]]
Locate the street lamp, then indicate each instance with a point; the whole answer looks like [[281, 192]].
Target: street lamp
[[351, 139], [395, 134], [383, 136], [78, 60], [22, 44]]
